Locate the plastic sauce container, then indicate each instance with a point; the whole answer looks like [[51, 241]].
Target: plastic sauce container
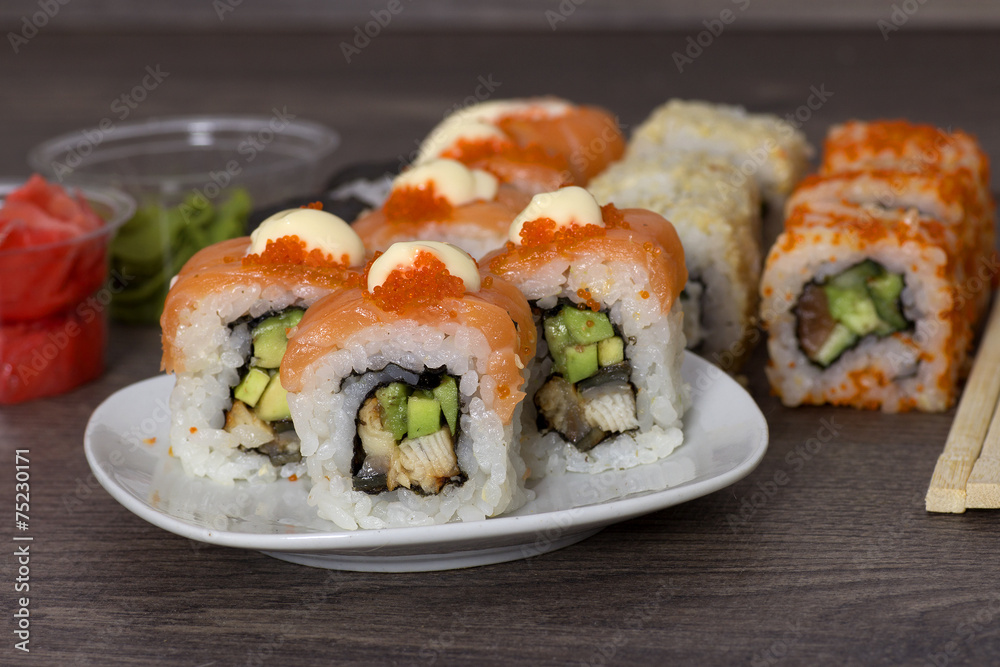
[[195, 180], [54, 296]]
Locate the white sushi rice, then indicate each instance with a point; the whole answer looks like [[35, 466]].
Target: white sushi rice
[[325, 414], [213, 355], [654, 348]]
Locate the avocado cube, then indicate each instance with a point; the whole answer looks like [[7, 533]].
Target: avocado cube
[[423, 414], [251, 387], [586, 326], [611, 351], [852, 307], [392, 406], [885, 291], [273, 403], [556, 334], [840, 339], [446, 394], [581, 362], [270, 340]]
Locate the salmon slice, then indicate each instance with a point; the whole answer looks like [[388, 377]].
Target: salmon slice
[[641, 238], [219, 268], [498, 310], [483, 222]]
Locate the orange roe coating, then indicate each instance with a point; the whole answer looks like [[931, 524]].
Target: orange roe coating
[[316, 205], [424, 284], [292, 250], [544, 230], [643, 294], [416, 204], [293, 478], [193, 429], [487, 282]]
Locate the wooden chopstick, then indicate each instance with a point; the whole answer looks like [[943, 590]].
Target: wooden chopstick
[[948, 488]]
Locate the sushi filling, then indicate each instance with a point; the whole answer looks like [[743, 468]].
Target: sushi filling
[[260, 404], [589, 395], [835, 315], [406, 436]]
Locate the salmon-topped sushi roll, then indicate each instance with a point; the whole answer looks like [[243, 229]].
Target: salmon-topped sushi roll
[[409, 388], [225, 326], [536, 144], [604, 286], [443, 200]]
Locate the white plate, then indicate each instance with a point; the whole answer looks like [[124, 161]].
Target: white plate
[[725, 437]]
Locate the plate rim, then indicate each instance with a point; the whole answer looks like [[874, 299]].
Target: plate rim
[[595, 516]]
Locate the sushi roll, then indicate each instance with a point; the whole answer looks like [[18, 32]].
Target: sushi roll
[[443, 200], [606, 389], [536, 144], [763, 147], [408, 389], [951, 198], [224, 333], [904, 147], [720, 230], [861, 309]]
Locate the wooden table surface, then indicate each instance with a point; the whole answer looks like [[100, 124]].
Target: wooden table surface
[[838, 565]]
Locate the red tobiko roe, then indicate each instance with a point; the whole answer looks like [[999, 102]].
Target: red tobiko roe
[[53, 249]]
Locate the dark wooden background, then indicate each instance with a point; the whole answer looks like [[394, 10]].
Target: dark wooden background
[[840, 565]]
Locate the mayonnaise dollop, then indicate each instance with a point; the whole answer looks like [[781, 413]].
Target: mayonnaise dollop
[[452, 180], [403, 255], [318, 229], [566, 206]]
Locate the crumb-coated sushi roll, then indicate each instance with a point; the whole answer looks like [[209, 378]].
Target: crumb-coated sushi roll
[[408, 390], [536, 144], [861, 310], [716, 212], [767, 148], [224, 334], [443, 200], [606, 389]]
